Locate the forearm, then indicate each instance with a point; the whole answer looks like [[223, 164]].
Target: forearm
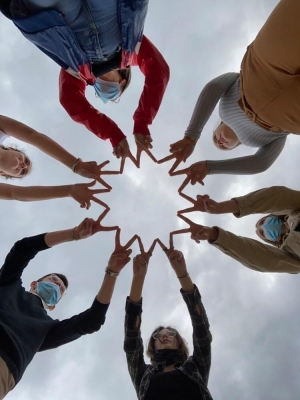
[[228, 206], [274, 200], [186, 283], [136, 289], [106, 291], [33, 193], [256, 255], [52, 149], [58, 237], [207, 101]]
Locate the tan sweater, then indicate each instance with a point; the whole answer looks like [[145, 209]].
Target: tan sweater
[[259, 256]]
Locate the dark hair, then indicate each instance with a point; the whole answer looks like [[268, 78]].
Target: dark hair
[[280, 240], [125, 74], [6, 176], [61, 276], [182, 344]]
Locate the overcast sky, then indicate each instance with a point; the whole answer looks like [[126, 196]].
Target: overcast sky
[[254, 317]]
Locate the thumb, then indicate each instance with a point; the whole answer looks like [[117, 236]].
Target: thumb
[[91, 183]]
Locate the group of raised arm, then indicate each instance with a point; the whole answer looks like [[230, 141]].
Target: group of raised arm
[[96, 45]]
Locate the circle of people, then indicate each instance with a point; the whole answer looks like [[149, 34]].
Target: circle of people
[[258, 107]]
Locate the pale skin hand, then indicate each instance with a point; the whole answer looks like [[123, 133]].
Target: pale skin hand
[[89, 227], [206, 204], [122, 151], [180, 150], [83, 194], [120, 256], [140, 266], [202, 203], [198, 232], [140, 261], [92, 170], [143, 143], [177, 262], [195, 173]]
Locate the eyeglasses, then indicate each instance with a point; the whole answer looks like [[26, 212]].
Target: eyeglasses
[[55, 279], [160, 334]]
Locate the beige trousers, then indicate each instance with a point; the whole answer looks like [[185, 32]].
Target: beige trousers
[[270, 71], [7, 381]]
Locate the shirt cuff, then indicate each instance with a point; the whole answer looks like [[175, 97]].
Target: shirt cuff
[[133, 309], [141, 128], [118, 135]]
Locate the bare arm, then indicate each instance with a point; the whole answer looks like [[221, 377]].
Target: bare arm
[[26, 134]]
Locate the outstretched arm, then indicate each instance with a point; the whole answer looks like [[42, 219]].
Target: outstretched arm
[[80, 192], [201, 334], [206, 103], [26, 134], [85, 229], [48, 146], [258, 162], [72, 98]]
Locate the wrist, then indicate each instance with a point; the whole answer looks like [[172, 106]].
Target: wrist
[[111, 273], [213, 234], [183, 276], [75, 164], [75, 235], [192, 139]]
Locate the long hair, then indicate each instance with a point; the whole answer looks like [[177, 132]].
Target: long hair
[[182, 344]]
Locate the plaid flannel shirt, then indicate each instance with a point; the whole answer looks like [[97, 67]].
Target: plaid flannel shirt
[[196, 367]]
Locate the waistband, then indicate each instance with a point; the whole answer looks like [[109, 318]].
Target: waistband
[[244, 105]]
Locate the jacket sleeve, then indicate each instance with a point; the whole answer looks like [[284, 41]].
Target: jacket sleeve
[[202, 337], [133, 343], [19, 256], [157, 74], [207, 101], [66, 331], [258, 162], [291, 244], [256, 255], [72, 98], [274, 200]]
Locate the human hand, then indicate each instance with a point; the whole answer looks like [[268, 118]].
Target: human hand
[[120, 256], [89, 227], [140, 261], [143, 143], [82, 193], [92, 170], [195, 173], [198, 232], [176, 259], [181, 151], [122, 151], [202, 203]]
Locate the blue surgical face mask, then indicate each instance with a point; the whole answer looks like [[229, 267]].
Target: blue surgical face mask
[[49, 292], [272, 227], [107, 91]]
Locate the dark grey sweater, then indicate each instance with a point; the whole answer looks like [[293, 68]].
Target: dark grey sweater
[[25, 327]]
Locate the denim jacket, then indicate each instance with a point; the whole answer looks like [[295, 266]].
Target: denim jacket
[[48, 30]]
